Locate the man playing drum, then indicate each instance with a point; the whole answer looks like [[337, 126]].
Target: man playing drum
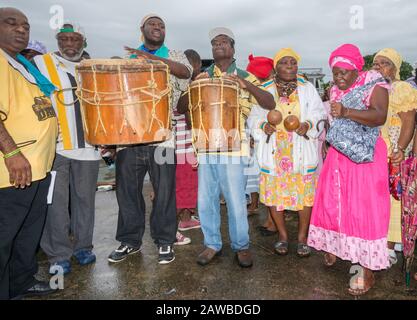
[[158, 159], [224, 172]]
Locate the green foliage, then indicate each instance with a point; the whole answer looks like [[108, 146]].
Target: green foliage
[[406, 70], [369, 59]]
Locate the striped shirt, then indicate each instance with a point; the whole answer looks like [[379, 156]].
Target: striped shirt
[[71, 141]]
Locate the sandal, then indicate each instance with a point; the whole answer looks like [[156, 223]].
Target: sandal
[[281, 248], [303, 250], [359, 287]]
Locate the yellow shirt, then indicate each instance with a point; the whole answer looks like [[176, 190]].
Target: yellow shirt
[[402, 98], [30, 117]]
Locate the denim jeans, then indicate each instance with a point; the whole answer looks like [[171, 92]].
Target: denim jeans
[[218, 173]]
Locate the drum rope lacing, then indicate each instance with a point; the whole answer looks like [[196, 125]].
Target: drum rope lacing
[[156, 97], [200, 116]]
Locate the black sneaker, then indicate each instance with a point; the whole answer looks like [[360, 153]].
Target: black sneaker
[[166, 254], [121, 253]]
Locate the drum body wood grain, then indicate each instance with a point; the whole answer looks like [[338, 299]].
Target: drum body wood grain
[[215, 115], [124, 102]]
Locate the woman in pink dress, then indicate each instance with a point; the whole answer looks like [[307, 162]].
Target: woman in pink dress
[[351, 210]]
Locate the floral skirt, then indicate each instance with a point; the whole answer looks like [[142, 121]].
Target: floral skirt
[[289, 192]]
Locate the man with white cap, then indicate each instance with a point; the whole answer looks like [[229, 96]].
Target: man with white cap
[[76, 163], [158, 159], [224, 172]]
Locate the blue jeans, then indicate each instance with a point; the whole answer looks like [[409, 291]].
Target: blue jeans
[[217, 174]]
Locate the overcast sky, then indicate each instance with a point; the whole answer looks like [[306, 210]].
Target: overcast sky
[[312, 27]]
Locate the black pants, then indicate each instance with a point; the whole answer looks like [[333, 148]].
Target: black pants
[[22, 217], [132, 165]]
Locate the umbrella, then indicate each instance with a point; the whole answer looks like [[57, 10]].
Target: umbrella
[[409, 212]]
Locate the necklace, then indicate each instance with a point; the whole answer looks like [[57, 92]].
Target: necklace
[[285, 89]]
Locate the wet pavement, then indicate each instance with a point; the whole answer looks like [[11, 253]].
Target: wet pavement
[[271, 277]]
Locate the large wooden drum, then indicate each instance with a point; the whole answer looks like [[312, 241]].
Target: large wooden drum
[[125, 101], [215, 115]]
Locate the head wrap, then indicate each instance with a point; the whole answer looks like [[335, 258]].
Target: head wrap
[[260, 67], [37, 46], [286, 52], [75, 28], [395, 58], [147, 17], [221, 31], [347, 56]]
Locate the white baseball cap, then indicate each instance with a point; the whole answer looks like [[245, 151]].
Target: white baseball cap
[[221, 31]]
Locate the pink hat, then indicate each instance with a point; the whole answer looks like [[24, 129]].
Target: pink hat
[[347, 56]]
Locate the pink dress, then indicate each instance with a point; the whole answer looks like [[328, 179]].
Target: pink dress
[[351, 210], [322, 137]]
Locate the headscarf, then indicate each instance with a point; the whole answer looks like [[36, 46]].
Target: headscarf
[[347, 56], [75, 28], [260, 67], [286, 52], [395, 58], [37, 46]]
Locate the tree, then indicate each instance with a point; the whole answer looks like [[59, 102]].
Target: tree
[[406, 70], [369, 59]]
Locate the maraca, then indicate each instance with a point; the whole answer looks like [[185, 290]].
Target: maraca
[[292, 123], [274, 118]]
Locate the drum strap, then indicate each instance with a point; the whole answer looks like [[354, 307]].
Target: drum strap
[[62, 114]]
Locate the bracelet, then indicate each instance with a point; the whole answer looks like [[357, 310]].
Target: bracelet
[[11, 153], [310, 124], [263, 125]]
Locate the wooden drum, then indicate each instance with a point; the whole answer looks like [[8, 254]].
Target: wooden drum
[[124, 101], [215, 115]]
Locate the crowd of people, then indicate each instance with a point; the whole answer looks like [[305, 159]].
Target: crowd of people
[[340, 188]]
